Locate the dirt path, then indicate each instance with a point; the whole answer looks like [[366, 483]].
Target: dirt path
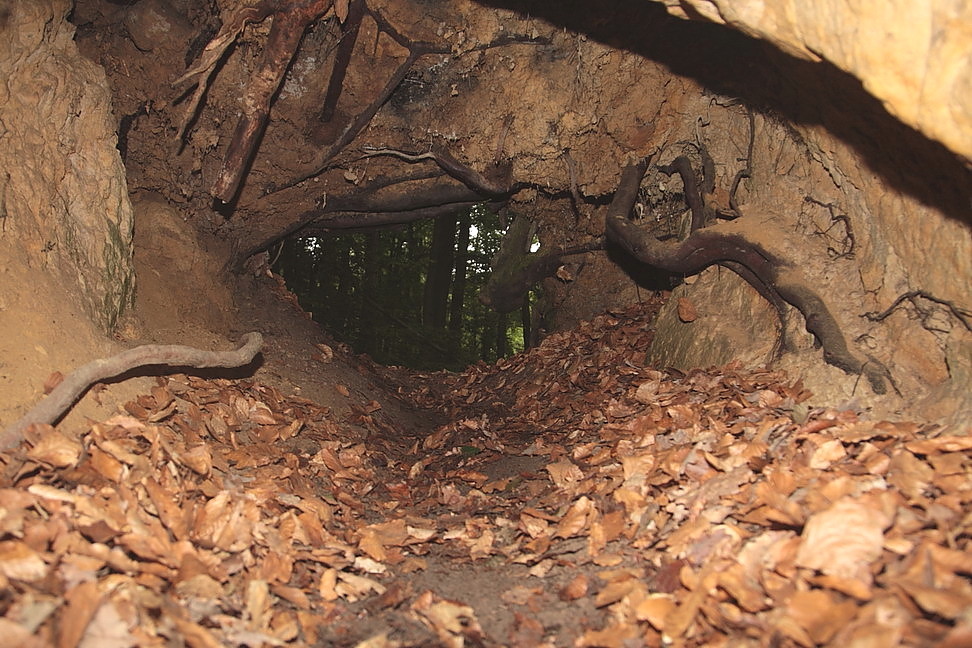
[[569, 496]]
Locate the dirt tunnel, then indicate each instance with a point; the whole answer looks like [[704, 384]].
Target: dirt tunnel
[[734, 240]]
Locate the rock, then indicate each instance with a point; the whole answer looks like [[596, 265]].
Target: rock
[[156, 23], [731, 322]]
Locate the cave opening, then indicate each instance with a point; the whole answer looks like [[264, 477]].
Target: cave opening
[[407, 295]]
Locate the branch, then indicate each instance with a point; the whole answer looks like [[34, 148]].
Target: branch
[[202, 71], [440, 193], [258, 241], [355, 221], [60, 400]]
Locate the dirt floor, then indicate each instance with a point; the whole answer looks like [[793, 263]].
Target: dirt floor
[[569, 496]]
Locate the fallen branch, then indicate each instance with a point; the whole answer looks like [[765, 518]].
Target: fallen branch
[[60, 400]]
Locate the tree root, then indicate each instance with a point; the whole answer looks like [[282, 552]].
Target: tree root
[[62, 398], [963, 315], [285, 35], [763, 270]]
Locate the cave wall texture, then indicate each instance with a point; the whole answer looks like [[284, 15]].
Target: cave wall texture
[[913, 56], [63, 195], [862, 141]]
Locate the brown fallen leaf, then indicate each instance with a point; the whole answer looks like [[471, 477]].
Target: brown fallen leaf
[[20, 562], [82, 603], [108, 629], [617, 635], [575, 519], [843, 540], [820, 613], [654, 609], [686, 310], [53, 380], [56, 449]]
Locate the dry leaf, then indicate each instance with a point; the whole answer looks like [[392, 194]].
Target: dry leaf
[[341, 9], [55, 449], [564, 473], [564, 274], [258, 605], [843, 540], [575, 589], [654, 609], [82, 603], [107, 629], [20, 562], [820, 614], [575, 520], [53, 380], [614, 636], [686, 310]]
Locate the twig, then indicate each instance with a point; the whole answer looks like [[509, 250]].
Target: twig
[[60, 400]]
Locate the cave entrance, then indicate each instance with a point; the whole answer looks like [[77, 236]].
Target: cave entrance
[[407, 295]]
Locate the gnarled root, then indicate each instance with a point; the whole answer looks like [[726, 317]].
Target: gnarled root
[[763, 270]]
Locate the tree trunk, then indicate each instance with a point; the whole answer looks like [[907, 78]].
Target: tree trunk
[[502, 348], [459, 278], [367, 341], [439, 277], [525, 318]]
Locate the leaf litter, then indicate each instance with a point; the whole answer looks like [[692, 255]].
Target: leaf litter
[[570, 496]]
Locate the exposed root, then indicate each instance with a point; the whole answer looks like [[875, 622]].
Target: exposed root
[[762, 269], [60, 400]]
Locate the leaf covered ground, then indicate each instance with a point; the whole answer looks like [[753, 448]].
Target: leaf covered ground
[[569, 496]]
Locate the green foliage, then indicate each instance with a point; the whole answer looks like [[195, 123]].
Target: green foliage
[[366, 289]]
